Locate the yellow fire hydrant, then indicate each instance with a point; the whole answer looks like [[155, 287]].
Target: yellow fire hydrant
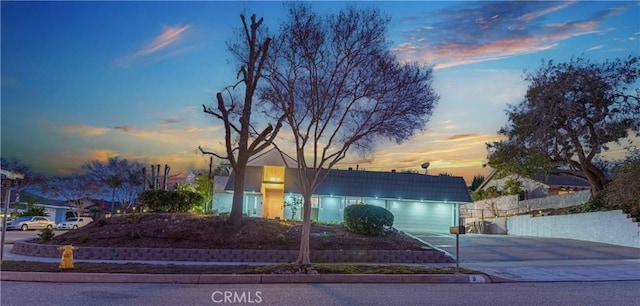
[[66, 262]]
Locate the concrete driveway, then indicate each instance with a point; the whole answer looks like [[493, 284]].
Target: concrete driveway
[[526, 259], [492, 248]]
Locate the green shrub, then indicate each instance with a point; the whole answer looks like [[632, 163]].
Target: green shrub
[[33, 211], [46, 234], [367, 219], [169, 200]]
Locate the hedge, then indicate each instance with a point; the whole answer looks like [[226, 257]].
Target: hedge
[[169, 200]]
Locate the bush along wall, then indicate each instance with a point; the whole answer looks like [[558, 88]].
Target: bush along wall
[[367, 219], [169, 200]]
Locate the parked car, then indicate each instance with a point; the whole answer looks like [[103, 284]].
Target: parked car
[[31, 223], [74, 223]]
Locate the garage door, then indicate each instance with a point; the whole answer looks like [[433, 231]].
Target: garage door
[[422, 217]]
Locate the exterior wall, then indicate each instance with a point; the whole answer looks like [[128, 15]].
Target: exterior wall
[[288, 210], [613, 227], [509, 205], [556, 201], [534, 189], [331, 209], [376, 202], [222, 202], [252, 205], [59, 215]]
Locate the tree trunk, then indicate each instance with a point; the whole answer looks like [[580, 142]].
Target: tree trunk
[[303, 256], [235, 218], [596, 179]]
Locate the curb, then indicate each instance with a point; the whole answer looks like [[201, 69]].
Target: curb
[[70, 277]]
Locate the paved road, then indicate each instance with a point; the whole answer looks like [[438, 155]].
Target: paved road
[[518, 258], [592, 293]]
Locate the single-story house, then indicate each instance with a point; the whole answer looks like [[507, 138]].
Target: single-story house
[[419, 202], [540, 186]]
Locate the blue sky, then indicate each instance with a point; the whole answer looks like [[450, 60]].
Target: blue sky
[[91, 80]]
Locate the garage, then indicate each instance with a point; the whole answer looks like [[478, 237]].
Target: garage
[[416, 217]]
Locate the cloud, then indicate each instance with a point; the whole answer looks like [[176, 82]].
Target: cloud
[[595, 48], [84, 130], [462, 137], [169, 121], [102, 155], [124, 128], [168, 37], [484, 31], [214, 128]]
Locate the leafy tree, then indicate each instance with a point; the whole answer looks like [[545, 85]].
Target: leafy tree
[[202, 185], [624, 191], [170, 200], [242, 139], [512, 186], [570, 114], [476, 182], [32, 211], [121, 177], [341, 88]]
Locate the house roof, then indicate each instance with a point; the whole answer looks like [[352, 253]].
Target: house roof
[[554, 180], [273, 157], [220, 183], [388, 185]]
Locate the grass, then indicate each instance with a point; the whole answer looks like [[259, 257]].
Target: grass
[[81, 267]]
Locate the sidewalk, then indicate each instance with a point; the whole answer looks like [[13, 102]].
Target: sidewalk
[[496, 271], [220, 278]]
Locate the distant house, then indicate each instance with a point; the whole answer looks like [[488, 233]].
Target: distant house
[[419, 202], [54, 209], [541, 186]]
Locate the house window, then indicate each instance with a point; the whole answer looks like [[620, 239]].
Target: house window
[[315, 202]]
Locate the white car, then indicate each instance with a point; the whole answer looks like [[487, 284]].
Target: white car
[[74, 223]]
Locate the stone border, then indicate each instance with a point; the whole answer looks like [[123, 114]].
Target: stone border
[[71, 277], [232, 255]]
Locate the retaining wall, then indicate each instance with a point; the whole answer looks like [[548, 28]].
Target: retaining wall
[[612, 227], [229, 255]]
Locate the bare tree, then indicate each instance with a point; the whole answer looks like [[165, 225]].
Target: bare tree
[[341, 89], [73, 188], [242, 138], [30, 180]]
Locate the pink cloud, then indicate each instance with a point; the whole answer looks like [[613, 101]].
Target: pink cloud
[[169, 37]]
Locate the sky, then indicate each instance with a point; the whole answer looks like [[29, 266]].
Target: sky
[[85, 81]]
